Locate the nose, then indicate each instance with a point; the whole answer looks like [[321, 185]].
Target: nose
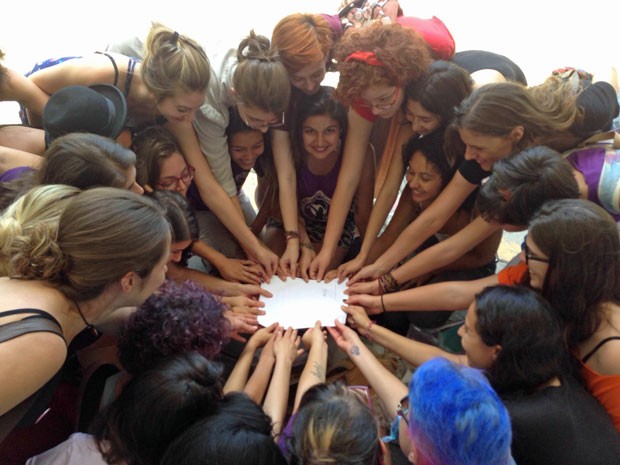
[[416, 126], [461, 330], [175, 256], [470, 154], [263, 129], [137, 188], [190, 117], [376, 111], [310, 87]]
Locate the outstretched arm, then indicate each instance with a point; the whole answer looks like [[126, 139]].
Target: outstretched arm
[[428, 223], [316, 365]]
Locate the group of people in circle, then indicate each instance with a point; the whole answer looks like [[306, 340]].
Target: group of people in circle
[[132, 257]]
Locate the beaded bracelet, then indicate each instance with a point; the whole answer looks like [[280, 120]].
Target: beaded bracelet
[[291, 235]]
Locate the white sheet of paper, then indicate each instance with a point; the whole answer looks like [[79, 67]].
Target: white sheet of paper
[[298, 304]]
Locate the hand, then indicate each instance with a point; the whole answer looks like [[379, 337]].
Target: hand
[[314, 336], [319, 265], [267, 259], [305, 260], [242, 271], [244, 305], [250, 290], [372, 271], [357, 317], [351, 267], [288, 261], [240, 324], [371, 303], [267, 352], [262, 336], [286, 345], [364, 287], [344, 337]]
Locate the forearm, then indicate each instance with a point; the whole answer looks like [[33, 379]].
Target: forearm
[[238, 377], [387, 386], [314, 372], [276, 399], [212, 284], [258, 382], [412, 351]]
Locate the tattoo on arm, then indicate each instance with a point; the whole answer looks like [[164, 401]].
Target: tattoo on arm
[[355, 350], [318, 371]]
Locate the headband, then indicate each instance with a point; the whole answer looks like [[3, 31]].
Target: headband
[[365, 57]]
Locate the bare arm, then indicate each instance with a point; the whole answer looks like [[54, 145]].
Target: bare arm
[[364, 193], [448, 295], [21, 89], [428, 223], [12, 158], [356, 143], [287, 193], [449, 251], [314, 371]]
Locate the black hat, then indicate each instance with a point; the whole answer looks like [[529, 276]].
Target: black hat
[[98, 109]]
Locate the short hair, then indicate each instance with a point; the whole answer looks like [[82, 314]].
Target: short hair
[[320, 103], [100, 237], [581, 241], [527, 359], [441, 89], [456, 417], [152, 146], [334, 425], [173, 63], [404, 54], [260, 79], [178, 318], [521, 183], [301, 39], [155, 407], [27, 224], [237, 432]]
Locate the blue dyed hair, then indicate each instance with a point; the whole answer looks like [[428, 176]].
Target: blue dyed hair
[[456, 417]]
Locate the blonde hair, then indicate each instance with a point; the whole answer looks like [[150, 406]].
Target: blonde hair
[[26, 227], [173, 63], [103, 233], [260, 79]]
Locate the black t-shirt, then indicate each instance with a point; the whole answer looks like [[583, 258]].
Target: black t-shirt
[[472, 171], [562, 426]]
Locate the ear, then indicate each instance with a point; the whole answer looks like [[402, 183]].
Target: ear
[[517, 134], [413, 455], [148, 188], [496, 350], [128, 281]]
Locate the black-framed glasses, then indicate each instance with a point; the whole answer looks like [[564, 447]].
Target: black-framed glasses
[[402, 409], [172, 182], [256, 123], [529, 255]]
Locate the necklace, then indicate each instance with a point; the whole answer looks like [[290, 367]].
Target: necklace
[[89, 327]]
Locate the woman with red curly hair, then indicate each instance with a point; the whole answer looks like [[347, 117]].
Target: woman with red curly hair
[[375, 63]]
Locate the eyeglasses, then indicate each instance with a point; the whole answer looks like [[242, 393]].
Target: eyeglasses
[[402, 409], [256, 123], [172, 182], [529, 255], [383, 105]]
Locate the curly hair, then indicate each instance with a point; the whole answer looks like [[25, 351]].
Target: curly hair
[[178, 318], [404, 54]]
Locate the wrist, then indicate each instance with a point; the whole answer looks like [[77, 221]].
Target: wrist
[[291, 235], [387, 284], [369, 326]]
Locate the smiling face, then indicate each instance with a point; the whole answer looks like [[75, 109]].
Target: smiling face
[[486, 150], [383, 100], [173, 175], [321, 136], [479, 355], [308, 79], [181, 106], [245, 147], [422, 121], [423, 178]]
